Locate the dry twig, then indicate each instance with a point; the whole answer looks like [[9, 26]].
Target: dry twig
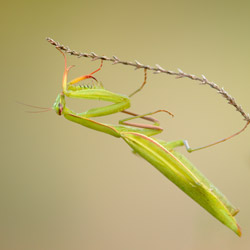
[[157, 69]]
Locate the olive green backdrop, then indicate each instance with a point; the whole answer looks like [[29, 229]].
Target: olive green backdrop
[[69, 188]]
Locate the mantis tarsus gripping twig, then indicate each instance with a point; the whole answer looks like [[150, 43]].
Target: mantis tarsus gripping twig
[[158, 69], [162, 155]]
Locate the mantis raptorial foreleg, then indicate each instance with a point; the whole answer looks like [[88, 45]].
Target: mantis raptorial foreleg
[[162, 155], [84, 77]]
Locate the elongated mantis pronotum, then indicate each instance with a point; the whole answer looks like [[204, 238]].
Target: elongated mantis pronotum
[[160, 154]]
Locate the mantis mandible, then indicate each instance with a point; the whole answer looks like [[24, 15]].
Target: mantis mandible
[[162, 155]]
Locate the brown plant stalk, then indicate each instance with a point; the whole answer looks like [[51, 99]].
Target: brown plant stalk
[[158, 69]]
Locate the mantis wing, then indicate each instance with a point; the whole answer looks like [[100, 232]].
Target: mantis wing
[[184, 174]]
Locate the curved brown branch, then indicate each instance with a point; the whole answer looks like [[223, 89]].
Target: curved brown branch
[[157, 69]]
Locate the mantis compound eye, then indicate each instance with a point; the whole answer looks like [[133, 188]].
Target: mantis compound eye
[[60, 109], [59, 104]]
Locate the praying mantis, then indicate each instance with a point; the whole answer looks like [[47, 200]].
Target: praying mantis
[[162, 155]]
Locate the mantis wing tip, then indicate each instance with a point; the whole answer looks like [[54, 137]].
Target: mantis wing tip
[[238, 232]]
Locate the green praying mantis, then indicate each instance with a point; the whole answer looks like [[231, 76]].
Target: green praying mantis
[[162, 155]]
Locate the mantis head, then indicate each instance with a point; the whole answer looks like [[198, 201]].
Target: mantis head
[[59, 104]]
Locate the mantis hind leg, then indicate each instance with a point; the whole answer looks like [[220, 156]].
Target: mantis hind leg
[[174, 144], [155, 125]]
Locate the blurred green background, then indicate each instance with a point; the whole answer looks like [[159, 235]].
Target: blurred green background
[[66, 187]]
